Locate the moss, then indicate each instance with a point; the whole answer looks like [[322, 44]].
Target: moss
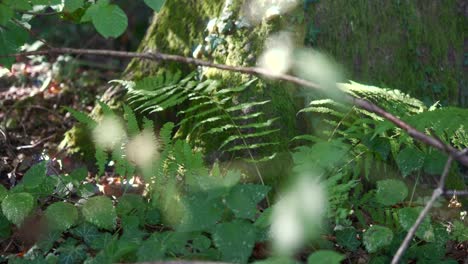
[[414, 46]]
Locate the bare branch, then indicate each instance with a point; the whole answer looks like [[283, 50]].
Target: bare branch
[[362, 103], [436, 194]]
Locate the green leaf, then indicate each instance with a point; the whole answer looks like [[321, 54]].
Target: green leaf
[[82, 117], [100, 212], [79, 174], [70, 253], [155, 4], [87, 232], [110, 21], [348, 238], [6, 13], [235, 240], [3, 192], [377, 237], [5, 227], [409, 160], [18, 4], [200, 213], [434, 163], [390, 192], [130, 204], [132, 124], [35, 175], [325, 257], [407, 217], [72, 5], [12, 37], [17, 206], [243, 199], [61, 216]]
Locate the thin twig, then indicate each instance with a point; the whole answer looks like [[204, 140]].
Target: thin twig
[[35, 144], [362, 103], [435, 195]]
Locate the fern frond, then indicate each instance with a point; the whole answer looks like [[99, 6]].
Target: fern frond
[[82, 117], [132, 123], [213, 110]]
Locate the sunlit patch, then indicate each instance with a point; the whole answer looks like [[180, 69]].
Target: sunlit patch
[[298, 216], [109, 133], [258, 10], [318, 68], [276, 58], [142, 149]]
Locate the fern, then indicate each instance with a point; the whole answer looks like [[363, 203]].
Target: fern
[[213, 113], [374, 139]]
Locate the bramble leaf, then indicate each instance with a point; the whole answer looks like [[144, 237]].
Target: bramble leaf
[[100, 212], [17, 206], [377, 237], [325, 257], [61, 215], [391, 191], [235, 240], [243, 199]]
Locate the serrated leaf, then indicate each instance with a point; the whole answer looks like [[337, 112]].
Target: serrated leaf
[[132, 123], [243, 199], [200, 213], [35, 175], [434, 163], [110, 21], [407, 217], [100, 212], [325, 257], [17, 206], [130, 204], [409, 160], [377, 237], [391, 191], [348, 238], [235, 240], [155, 4], [87, 232], [72, 5], [70, 253], [82, 117], [61, 216]]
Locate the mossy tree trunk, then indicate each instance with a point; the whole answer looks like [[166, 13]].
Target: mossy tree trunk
[[181, 26]]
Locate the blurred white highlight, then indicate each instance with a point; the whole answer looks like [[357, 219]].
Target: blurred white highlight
[[109, 133], [317, 67], [142, 149], [258, 10], [298, 216], [277, 57]]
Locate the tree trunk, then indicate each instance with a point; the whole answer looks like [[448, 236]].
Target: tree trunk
[[181, 26]]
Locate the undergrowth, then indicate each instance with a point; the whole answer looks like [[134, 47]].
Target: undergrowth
[[194, 210]]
